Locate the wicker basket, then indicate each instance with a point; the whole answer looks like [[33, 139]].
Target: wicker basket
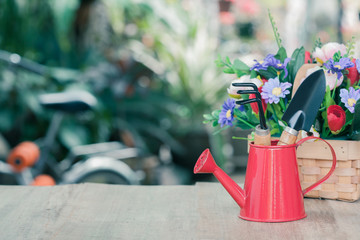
[[315, 160]]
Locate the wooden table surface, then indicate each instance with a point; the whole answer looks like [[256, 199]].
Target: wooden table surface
[[201, 211]]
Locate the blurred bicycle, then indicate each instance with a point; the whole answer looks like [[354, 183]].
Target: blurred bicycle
[[100, 162]]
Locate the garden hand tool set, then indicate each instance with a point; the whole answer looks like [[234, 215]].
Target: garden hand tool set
[[262, 132]]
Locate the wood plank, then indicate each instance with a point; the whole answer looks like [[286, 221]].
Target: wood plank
[[91, 211], [203, 211], [327, 219]]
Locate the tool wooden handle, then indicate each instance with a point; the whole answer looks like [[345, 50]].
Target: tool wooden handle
[[288, 136], [300, 75], [262, 136]]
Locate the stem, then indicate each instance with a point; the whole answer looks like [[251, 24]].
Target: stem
[[276, 118], [242, 138], [333, 94], [228, 65], [328, 132], [246, 122], [282, 104], [348, 122], [275, 30]]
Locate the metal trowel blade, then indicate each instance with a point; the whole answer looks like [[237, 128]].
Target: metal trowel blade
[[306, 102]]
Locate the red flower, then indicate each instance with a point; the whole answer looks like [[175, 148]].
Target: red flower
[[336, 118], [254, 106], [308, 58], [353, 74]]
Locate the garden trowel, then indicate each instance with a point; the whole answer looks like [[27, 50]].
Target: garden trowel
[[303, 107]]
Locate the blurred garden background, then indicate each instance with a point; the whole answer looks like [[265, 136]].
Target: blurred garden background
[[150, 65]]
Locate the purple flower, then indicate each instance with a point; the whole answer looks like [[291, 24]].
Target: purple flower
[[349, 98], [276, 63], [270, 60], [337, 67], [273, 90], [282, 66], [226, 115], [260, 65], [357, 62], [242, 108]]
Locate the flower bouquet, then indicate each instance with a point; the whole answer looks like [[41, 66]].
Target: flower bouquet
[[276, 76]]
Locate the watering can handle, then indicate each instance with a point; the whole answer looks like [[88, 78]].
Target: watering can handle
[[308, 189]]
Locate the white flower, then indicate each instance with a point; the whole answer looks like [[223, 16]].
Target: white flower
[[327, 51], [331, 78], [232, 90]]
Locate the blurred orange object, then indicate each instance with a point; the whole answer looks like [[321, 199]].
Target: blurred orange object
[[23, 155], [43, 180]]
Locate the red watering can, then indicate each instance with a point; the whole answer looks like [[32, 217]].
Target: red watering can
[[272, 190]]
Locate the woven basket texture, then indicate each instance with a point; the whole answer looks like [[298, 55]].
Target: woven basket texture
[[315, 160]]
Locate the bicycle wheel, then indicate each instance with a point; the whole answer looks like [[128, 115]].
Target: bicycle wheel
[[105, 177], [100, 170]]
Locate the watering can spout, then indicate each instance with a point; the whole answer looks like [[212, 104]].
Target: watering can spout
[[206, 164]]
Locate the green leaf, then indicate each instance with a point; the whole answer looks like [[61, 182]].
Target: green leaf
[[228, 71], [253, 74], [215, 123], [274, 128], [243, 121], [242, 125], [240, 66], [297, 60], [216, 114], [328, 100], [348, 118], [337, 56], [318, 44], [208, 117], [240, 74], [219, 63], [270, 73], [325, 132], [251, 117], [239, 113], [278, 111], [227, 60], [281, 54]]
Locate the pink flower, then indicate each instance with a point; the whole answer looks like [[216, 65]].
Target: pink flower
[[336, 118], [327, 51]]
